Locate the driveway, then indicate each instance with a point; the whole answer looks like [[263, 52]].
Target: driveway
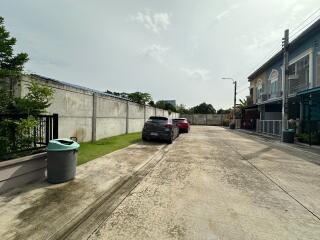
[[212, 183]]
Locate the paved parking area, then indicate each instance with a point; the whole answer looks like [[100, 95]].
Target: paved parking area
[[212, 183]]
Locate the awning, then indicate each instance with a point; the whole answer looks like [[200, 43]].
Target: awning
[[309, 91], [251, 107]]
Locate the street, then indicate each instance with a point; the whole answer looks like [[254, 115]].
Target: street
[[215, 184]]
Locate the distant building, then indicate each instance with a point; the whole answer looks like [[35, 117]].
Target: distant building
[[172, 102]]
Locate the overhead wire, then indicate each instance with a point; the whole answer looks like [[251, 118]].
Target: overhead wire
[[305, 20], [240, 91], [295, 31]]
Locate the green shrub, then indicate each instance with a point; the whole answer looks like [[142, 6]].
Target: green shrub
[[226, 122], [304, 138], [17, 133]]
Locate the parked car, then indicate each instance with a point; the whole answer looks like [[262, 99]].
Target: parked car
[[183, 124], [160, 128]]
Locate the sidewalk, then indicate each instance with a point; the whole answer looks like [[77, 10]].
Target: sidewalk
[[276, 140], [40, 210]]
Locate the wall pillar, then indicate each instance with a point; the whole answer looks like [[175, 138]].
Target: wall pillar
[[94, 117], [127, 118]]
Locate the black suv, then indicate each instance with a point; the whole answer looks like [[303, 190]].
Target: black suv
[[160, 128]]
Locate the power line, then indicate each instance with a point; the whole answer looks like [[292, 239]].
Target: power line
[[275, 50], [305, 27], [242, 90], [317, 10], [269, 55]]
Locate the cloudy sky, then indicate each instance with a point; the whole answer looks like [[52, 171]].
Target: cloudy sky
[[173, 49]]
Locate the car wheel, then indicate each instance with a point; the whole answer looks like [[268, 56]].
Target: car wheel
[[170, 139], [144, 138]]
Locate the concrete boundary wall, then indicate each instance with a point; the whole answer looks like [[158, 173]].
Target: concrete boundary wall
[[91, 115], [205, 119]]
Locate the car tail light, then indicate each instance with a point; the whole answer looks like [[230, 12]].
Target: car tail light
[[168, 125]]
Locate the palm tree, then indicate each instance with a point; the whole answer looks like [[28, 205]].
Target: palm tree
[[243, 103]]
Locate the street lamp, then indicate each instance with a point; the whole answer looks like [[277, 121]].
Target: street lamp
[[234, 98]]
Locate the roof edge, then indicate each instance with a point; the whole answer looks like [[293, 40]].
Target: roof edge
[[292, 45]]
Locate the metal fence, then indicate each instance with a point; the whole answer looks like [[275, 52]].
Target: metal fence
[[272, 127], [20, 133]]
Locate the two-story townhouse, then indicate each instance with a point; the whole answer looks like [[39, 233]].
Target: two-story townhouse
[[303, 81]]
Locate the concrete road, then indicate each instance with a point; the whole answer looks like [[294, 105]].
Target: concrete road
[[212, 183], [218, 184]]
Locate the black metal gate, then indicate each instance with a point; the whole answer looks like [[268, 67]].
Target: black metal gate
[[23, 133]]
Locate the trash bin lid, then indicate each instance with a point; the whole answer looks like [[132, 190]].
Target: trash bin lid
[[290, 130], [63, 144]]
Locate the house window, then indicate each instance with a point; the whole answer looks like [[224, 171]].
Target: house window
[[259, 91], [273, 78], [299, 75]]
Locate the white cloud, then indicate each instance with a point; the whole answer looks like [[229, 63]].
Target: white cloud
[[155, 22], [226, 12], [222, 14], [156, 52], [197, 73]]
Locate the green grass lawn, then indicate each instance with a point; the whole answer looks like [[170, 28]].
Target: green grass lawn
[[91, 150]]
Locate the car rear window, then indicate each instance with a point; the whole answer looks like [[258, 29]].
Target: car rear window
[[158, 119], [179, 120]]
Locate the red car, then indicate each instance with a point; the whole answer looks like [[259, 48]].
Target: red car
[[183, 124]]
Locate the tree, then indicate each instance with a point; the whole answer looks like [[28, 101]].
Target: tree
[[15, 131], [5, 98], [152, 104], [118, 94], [203, 108], [161, 104], [182, 109], [224, 111], [10, 64], [35, 102], [166, 106], [243, 103], [140, 97], [169, 107]]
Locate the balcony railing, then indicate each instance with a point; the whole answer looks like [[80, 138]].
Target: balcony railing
[[295, 85]]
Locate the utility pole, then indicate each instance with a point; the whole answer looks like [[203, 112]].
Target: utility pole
[[234, 98], [234, 101], [285, 44]]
